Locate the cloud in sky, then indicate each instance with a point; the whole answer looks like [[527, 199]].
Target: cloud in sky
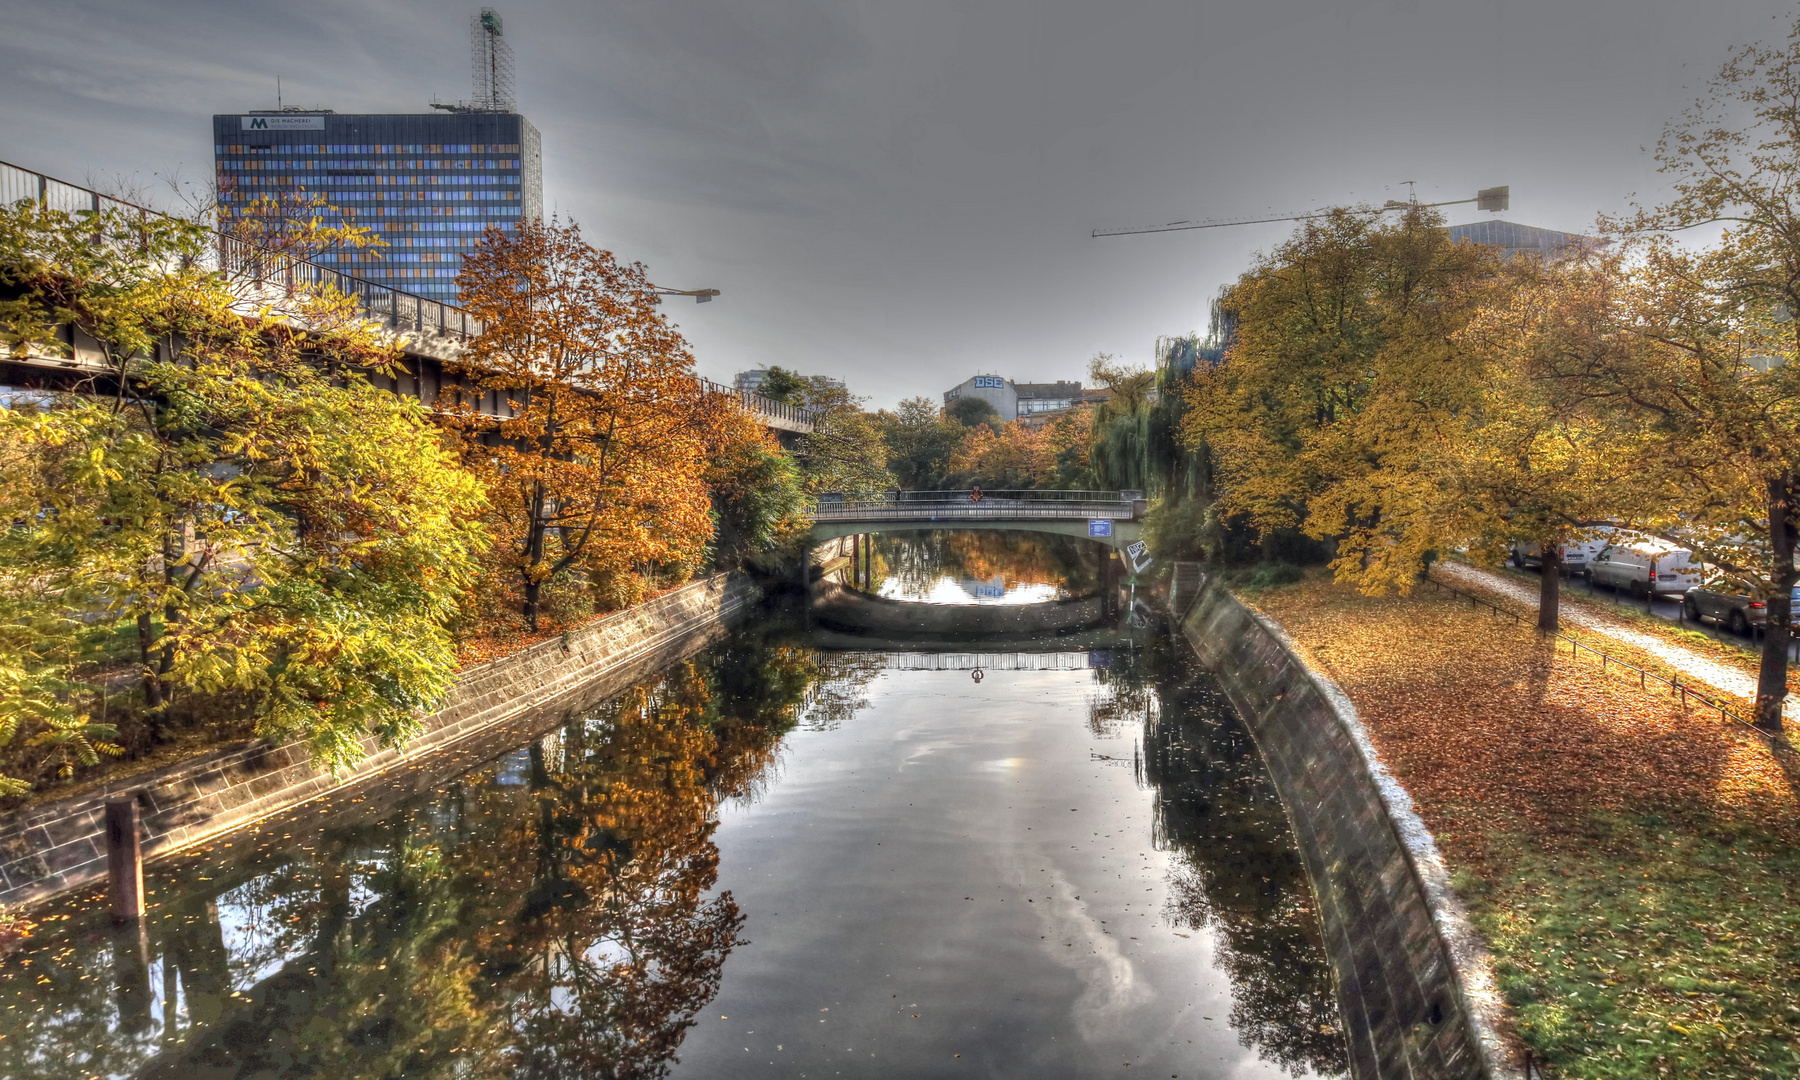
[[901, 194]]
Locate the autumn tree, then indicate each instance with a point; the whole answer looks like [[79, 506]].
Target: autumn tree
[[597, 464], [1343, 372], [1070, 435], [230, 483], [759, 503], [1530, 461], [845, 452], [1720, 377], [920, 440], [1017, 456], [973, 412]]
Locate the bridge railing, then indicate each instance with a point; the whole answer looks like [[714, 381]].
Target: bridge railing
[[949, 505], [1032, 495]]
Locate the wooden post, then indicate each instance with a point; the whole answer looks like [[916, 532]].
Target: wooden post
[[124, 860]]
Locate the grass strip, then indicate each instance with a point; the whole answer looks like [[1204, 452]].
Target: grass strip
[[1632, 865]]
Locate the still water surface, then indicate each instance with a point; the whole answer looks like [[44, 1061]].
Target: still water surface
[[771, 860], [982, 567]]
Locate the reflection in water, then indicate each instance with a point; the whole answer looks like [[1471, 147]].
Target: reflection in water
[[560, 911], [1239, 873], [984, 567]]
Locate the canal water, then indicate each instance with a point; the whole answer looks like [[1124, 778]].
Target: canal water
[[771, 860]]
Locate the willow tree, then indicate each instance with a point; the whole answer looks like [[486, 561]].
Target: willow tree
[[598, 466]]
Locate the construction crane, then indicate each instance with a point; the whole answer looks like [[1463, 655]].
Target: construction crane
[[1494, 199]]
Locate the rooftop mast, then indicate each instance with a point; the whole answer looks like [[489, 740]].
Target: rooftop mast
[[491, 64]]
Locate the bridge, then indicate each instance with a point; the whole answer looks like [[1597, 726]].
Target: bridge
[[1114, 518], [431, 334]]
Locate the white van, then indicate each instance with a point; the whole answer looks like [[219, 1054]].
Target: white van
[[1577, 553], [1645, 565]]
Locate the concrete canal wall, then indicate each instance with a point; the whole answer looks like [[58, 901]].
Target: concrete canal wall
[[58, 846], [1412, 975]]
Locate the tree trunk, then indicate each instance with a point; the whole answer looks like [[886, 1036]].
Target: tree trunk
[[1771, 677], [534, 555], [146, 634], [1550, 588]]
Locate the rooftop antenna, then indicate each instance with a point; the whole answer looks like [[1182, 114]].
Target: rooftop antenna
[[277, 93], [491, 64]]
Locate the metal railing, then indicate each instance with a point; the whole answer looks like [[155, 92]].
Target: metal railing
[[1608, 661], [1032, 503], [1021, 495], [237, 258], [756, 403], [240, 259]]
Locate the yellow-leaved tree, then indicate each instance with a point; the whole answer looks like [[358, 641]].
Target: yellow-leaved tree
[[1344, 379]]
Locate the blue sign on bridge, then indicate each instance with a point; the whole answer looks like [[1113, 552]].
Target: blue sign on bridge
[[1099, 526]]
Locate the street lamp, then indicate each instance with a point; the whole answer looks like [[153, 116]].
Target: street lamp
[[700, 296]]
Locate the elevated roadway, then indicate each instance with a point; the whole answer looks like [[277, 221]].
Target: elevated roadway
[[430, 334]]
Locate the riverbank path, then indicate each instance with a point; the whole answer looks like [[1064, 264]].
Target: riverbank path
[[1696, 665]]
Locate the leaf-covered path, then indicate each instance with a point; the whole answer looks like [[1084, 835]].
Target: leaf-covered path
[[1737, 680]]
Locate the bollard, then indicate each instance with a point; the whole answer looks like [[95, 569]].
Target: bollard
[[124, 860]]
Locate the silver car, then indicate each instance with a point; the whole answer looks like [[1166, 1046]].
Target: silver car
[[1721, 603]]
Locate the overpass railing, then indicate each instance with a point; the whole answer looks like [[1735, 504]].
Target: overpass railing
[[756, 403], [398, 310]]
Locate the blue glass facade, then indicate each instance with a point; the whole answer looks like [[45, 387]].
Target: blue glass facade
[[429, 185]]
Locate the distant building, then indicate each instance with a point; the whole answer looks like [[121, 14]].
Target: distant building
[[751, 382], [429, 184], [1035, 398], [993, 389], [1017, 401], [1514, 238]]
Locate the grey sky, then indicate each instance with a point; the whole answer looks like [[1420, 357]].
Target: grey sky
[[900, 193]]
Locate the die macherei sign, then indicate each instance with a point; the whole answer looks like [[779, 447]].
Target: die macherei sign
[[283, 123]]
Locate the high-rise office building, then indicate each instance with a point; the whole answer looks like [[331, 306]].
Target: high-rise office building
[[428, 184]]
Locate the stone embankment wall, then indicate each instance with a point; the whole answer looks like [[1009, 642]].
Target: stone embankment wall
[[1412, 975], [57, 846]]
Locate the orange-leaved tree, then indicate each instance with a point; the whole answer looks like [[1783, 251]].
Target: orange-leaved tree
[[593, 442], [1019, 456]]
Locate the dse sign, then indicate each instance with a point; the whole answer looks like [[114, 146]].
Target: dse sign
[[989, 382], [283, 123]]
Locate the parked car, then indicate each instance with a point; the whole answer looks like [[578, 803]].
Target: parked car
[[1719, 601], [1576, 553]]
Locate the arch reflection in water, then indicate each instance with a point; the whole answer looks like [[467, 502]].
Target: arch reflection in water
[[984, 567], [585, 905]]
